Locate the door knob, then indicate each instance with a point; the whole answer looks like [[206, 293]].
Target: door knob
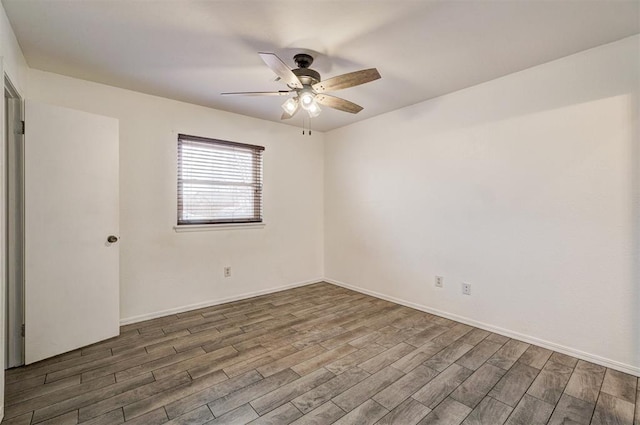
[[112, 239]]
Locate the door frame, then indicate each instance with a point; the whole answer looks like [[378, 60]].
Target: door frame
[[13, 198]]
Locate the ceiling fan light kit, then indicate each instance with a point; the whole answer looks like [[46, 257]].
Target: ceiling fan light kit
[[305, 83], [291, 106], [306, 98], [313, 110]]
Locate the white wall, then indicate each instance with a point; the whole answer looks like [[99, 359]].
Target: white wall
[[164, 271], [527, 187], [14, 66], [13, 60]]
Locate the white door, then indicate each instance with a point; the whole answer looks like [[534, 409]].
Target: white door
[[71, 209]]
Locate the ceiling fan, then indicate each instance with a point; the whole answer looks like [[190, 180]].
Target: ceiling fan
[[308, 88]]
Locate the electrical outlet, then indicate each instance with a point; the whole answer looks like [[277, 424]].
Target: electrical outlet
[[439, 281], [466, 288], [227, 271]]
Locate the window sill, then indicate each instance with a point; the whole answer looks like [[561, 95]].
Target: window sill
[[212, 227]]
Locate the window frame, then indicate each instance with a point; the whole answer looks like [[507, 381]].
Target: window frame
[[256, 220]]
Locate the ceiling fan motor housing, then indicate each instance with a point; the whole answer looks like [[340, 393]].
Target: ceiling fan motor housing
[[303, 60], [306, 75]]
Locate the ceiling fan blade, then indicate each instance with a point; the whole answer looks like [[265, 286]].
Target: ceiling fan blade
[[345, 81], [281, 69], [259, 93], [338, 103]]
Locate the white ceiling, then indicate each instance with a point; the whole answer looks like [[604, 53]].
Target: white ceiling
[[194, 50]]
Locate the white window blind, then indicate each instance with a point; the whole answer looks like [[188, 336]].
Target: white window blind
[[218, 181]]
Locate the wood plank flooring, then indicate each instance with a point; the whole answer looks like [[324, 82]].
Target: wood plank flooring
[[318, 354]]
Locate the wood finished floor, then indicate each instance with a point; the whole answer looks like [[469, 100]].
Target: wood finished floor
[[319, 354]]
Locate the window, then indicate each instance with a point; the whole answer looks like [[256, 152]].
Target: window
[[218, 181]]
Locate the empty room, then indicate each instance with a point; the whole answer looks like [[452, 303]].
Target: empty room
[[320, 212]]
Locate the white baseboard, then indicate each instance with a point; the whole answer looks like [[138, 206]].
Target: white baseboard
[[622, 367], [182, 309], [633, 370]]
